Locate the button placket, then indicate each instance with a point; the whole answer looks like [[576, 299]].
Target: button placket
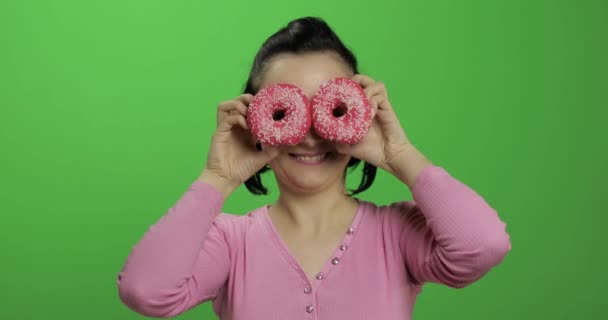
[[334, 261], [310, 308], [337, 258], [350, 231], [307, 290]]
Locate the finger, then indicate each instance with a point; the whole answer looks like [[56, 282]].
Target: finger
[[363, 80], [229, 108], [223, 110], [245, 98], [375, 89], [374, 102], [270, 150], [234, 105], [343, 148], [235, 112], [231, 121], [267, 154]]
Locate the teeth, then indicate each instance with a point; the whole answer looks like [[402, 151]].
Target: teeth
[[311, 158]]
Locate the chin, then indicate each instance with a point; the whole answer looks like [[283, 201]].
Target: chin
[[309, 177], [307, 180]]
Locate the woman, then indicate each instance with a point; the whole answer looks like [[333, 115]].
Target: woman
[[317, 252]]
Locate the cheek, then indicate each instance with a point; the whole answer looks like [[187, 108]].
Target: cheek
[[278, 163], [273, 164]]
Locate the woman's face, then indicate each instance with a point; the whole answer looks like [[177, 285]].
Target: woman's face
[[293, 169]]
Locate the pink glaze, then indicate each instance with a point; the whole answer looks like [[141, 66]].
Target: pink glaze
[[292, 128], [350, 127]]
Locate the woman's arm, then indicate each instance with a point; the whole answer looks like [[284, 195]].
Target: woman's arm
[[407, 164], [182, 260], [450, 235]]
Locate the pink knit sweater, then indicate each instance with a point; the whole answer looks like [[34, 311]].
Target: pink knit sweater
[[195, 253]]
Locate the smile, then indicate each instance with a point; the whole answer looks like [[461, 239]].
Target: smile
[[310, 159]]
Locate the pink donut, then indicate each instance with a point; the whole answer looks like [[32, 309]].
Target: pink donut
[[341, 111], [279, 115]]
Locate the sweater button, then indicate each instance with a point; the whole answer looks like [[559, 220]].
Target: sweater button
[[335, 261], [350, 231], [307, 289], [310, 308], [343, 246], [320, 276]]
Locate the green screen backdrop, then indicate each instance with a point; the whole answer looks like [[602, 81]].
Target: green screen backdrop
[[107, 109]]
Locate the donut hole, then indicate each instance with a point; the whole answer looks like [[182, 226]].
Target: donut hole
[[340, 110], [278, 115]]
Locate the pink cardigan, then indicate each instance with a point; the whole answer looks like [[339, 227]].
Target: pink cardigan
[[195, 253]]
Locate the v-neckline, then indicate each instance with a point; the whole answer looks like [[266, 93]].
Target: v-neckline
[[334, 260]]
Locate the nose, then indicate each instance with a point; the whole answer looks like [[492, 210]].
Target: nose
[[311, 140]]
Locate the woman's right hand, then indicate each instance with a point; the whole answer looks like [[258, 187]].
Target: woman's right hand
[[232, 157]]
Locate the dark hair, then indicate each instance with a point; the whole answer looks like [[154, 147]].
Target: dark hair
[[304, 35]]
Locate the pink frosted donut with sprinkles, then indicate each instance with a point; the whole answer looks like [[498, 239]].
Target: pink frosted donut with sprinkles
[[341, 111], [279, 114]]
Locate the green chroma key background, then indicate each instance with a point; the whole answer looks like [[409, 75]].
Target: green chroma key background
[[107, 108]]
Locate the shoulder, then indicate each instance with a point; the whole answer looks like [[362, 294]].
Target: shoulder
[[234, 225], [395, 217], [232, 229], [394, 210]]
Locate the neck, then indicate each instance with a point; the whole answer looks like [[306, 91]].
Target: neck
[[314, 212]]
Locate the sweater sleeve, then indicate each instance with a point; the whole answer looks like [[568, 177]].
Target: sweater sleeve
[[449, 234], [182, 260]]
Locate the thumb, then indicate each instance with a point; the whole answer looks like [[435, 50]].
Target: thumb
[[343, 148], [266, 155]]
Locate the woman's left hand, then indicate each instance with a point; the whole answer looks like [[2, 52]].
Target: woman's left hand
[[386, 139]]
